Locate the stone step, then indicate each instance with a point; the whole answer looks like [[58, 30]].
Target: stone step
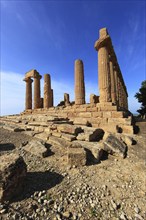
[[69, 129], [58, 141]]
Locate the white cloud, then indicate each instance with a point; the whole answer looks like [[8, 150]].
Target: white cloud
[[12, 93]]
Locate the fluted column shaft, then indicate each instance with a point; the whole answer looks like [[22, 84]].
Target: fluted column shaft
[[52, 98], [113, 86], [116, 84], [104, 75], [28, 95], [37, 92], [47, 91], [79, 83], [104, 78]]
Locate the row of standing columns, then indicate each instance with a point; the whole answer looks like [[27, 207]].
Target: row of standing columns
[[39, 102], [110, 80], [111, 84]]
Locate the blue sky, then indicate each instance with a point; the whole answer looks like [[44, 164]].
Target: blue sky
[[50, 35]]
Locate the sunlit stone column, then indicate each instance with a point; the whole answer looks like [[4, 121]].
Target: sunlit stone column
[[37, 91], [28, 95], [47, 91], [66, 99], [104, 80], [113, 86], [79, 83]]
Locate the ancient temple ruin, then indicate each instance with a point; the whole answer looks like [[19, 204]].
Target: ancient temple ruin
[[108, 111]]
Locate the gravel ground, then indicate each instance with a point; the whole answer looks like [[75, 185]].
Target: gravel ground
[[113, 189]]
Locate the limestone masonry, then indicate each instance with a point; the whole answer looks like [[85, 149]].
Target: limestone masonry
[[108, 111]]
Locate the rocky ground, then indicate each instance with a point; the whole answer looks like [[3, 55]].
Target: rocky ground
[[112, 189]]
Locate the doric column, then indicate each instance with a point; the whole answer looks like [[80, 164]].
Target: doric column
[[79, 83], [47, 91], [113, 86], [37, 91], [52, 98], [28, 95], [125, 98], [120, 92], [104, 81], [116, 83], [66, 99]]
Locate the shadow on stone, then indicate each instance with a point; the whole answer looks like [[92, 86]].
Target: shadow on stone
[[104, 155], [136, 129], [50, 152], [90, 158], [38, 181], [7, 147]]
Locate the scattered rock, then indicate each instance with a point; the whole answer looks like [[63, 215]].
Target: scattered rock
[[114, 145], [38, 148], [76, 156], [12, 173]]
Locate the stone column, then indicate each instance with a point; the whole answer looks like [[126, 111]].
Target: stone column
[[28, 95], [120, 91], [104, 81], [113, 83], [52, 98], [47, 91], [125, 98], [79, 83], [37, 91], [116, 83], [66, 99]]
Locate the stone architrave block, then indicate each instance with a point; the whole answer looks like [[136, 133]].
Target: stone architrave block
[[114, 145], [13, 170]]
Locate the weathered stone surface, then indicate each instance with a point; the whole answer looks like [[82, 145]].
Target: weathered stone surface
[[81, 121], [127, 129], [43, 136], [114, 145], [79, 83], [90, 134], [12, 173], [96, 149], [28, 95], [68, 137], [128, 140], [66, 99], [59, 141], [94, 98], [76, 157], [69, 129], [47, 91], [38, 148]]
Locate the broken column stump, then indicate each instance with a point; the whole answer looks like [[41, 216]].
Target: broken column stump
[[12, 173]]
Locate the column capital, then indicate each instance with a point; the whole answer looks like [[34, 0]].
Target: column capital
[[102, 42], [37, 76], [29, 80]]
